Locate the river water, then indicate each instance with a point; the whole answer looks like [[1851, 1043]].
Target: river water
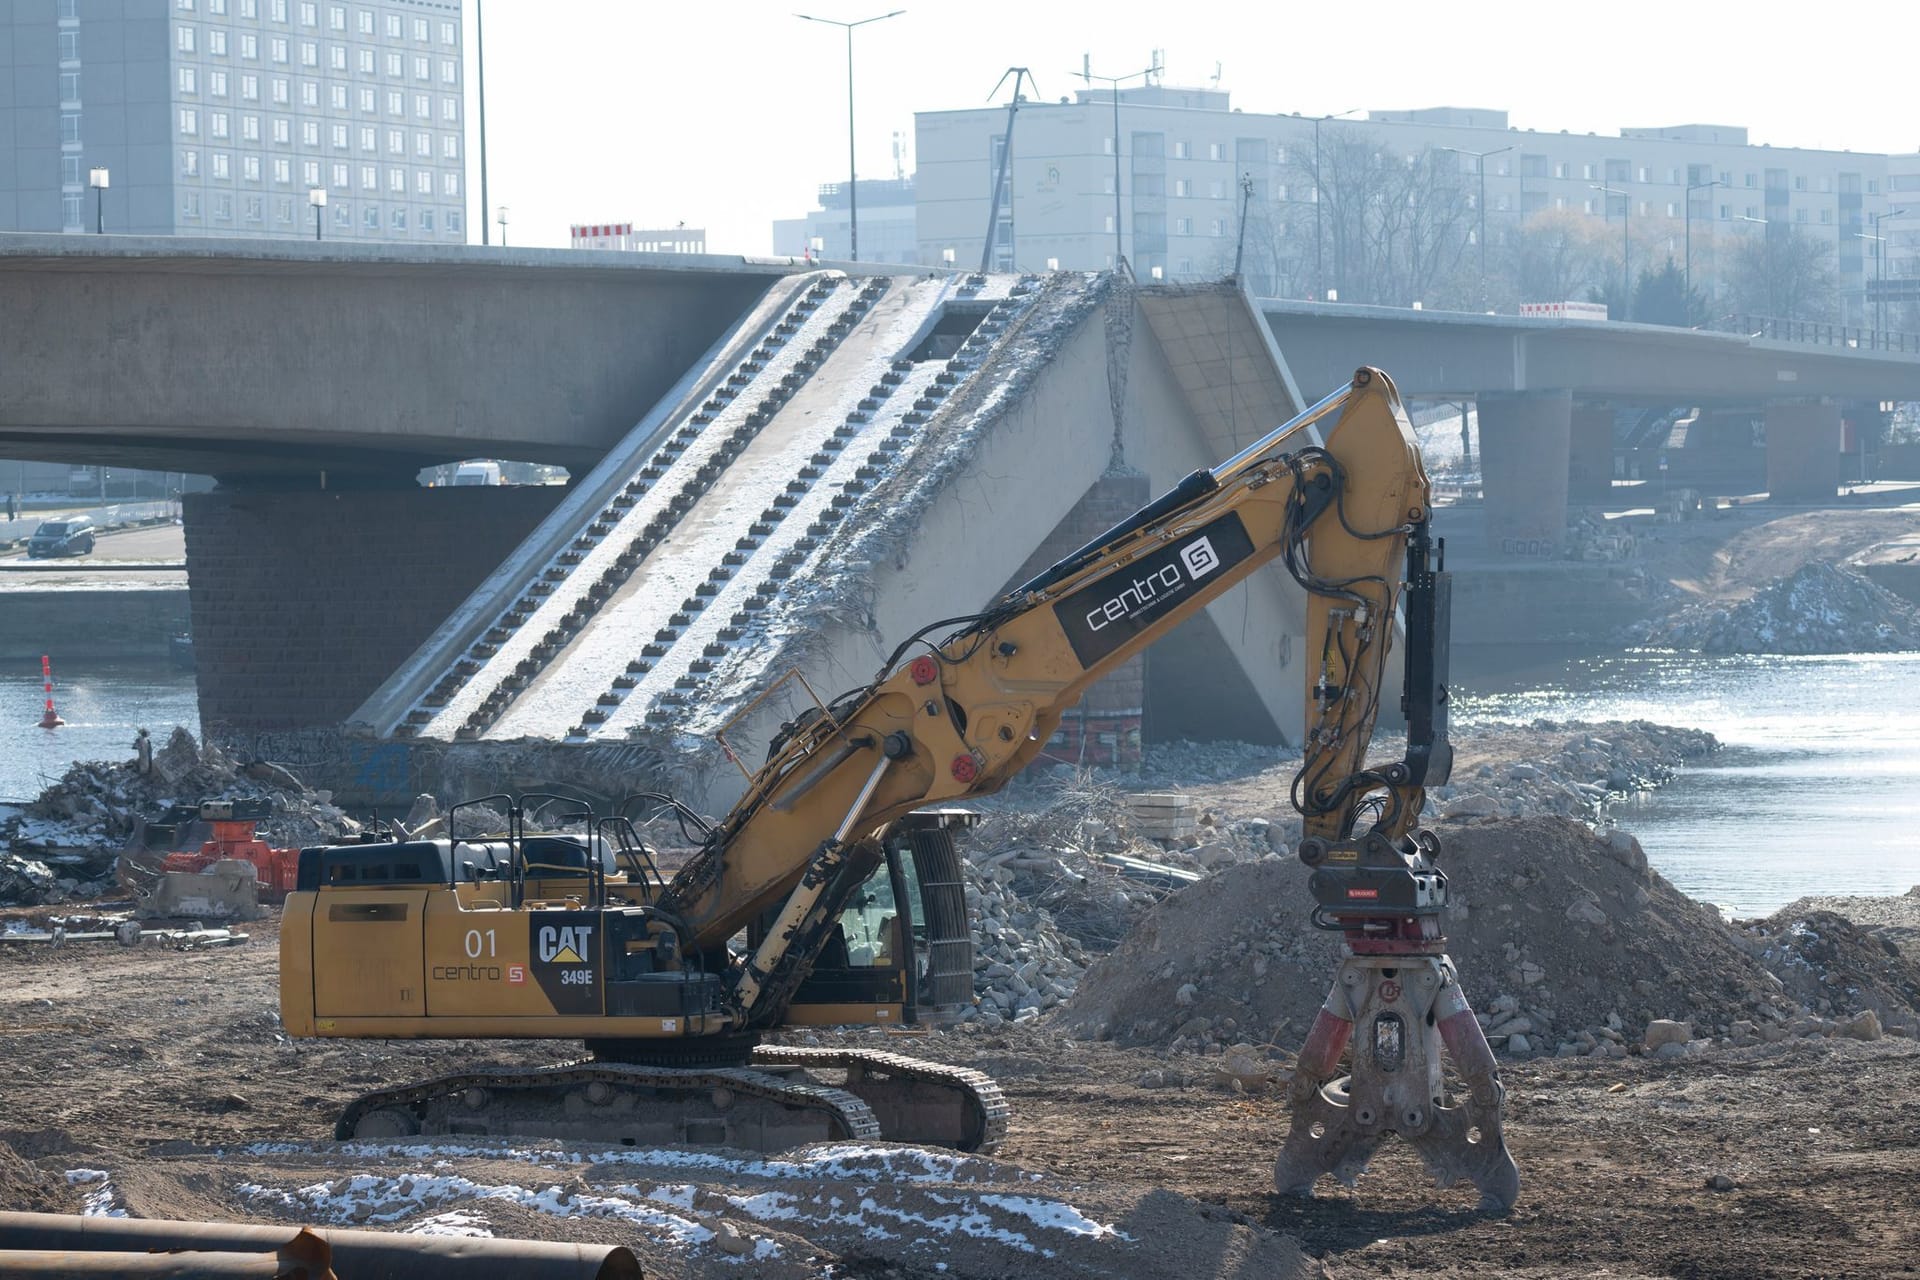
[[1817, 790]]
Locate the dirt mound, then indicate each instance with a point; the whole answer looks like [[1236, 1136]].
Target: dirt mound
[[1835, 966], [1556, 930], [1895, 918], [25, 1189], [1821, 608]]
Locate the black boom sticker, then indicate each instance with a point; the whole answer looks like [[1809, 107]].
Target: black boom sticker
[[1102, 616]]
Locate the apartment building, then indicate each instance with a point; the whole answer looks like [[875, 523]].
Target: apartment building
[[236, 118], [1163, 187], [887, 224]]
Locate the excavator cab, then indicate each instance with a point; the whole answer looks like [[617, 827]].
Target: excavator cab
[[901, 951]]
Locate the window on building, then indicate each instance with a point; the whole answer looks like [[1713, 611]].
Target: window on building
[[282, 170], [337, 95], [370, 217], [366, 62], [369, 178], [189, 163], [217, 83], [189, 121], [343, 214], [309, 93], [73, 209], [420, 30], [423, 145], [217, 124], [1215, 152], [393, 26], [450, 146], [309, 14], [426, 220], [339, 176], [363, 19], [336, 57], [449, 108], [1673, 210], [339, 138], [422, 69], [423, 182], [1183, 226], [283, 208], [249, 46], [223, 207], [449, 71], [309, 133], [282, 130], [255, 207], [282, 90], [217, 43], [395, 67], [366, 101], [277, 49], [250, 128], [1726, 213], [186, 6], [184, 39], [277, 10], [1826, 216], [1753, 211], [1799, 215], [455, 219], [190, 204], [187, 80], [310, 172], [1182, 187], [1586, 174], [448, 34], [396, 142], [399, 218], [422, 107], [1749, 179], [222, 165], [1873, 186], [249, 8], [336, 17], [396, 102], [449, 184], [397, 181], [250, 168], [249, 88], [1106, 183], [68, 8], [1643, 173], [368, 138]]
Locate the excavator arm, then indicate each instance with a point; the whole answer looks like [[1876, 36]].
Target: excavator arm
[[1338, 494]]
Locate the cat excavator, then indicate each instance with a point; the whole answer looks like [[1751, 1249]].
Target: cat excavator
[[832, 892]]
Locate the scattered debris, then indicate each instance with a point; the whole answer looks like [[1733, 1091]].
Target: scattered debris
[[1821, 608]]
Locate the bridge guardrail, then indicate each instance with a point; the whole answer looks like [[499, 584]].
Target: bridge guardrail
[[1822, 333]]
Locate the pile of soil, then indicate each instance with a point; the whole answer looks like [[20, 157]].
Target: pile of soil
[[1820, 608], [1835, 967], [26, 1189], [1555, 929]]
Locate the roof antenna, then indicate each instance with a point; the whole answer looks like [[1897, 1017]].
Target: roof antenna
[[1006, 160]]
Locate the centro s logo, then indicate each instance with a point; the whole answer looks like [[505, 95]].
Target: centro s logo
[[1199, 557], [564, 944]]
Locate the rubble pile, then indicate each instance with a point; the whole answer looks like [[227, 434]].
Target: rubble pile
[[1595, 763], [64, 845], [1821, 608], [1835, 968], [1566, 941]]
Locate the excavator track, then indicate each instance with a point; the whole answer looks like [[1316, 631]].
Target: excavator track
[[924, 1103], [616, 1102]]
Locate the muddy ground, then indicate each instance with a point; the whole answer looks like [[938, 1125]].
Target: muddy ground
[[142, 1064]]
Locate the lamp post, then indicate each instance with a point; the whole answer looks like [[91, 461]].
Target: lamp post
[[1113, 83], [1319, 238], [1767, 244], [1687, 200], [317, 197], [480, 54], [97, 179], [853, 188], [1626, 222], [1879, 271], [501, 218], [1480, 165]]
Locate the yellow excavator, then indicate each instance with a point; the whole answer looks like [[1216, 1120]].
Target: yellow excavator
[[832, 892]]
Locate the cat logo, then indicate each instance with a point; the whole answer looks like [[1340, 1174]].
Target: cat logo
[[565, 944]]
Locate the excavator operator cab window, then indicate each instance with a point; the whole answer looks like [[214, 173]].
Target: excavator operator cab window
[[867, 924]]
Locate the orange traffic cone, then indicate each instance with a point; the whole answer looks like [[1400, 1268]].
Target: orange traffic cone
[[51, 720]]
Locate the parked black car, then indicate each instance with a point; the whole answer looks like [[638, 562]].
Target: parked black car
[[72, 536]]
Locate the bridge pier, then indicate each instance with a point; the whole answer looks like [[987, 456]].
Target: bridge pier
[[1803, 450], [303, 602], [1525, 457], [1590, 454]]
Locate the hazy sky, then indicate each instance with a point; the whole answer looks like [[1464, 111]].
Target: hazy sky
[[729, 113]]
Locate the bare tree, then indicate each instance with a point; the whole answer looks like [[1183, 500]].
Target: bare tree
[[1786, 275], [1396, 228]]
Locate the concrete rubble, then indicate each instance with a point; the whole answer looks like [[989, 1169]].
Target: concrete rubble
[[63, 846], [1821, 608]]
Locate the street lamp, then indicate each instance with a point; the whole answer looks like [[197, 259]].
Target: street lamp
[[1626, 220], [1879, 270], [1113, 83], [1688, 201], [1319, 238], [97, 179], [853, 189], [1480, 164], [317, 197], [501, 218], [1767, 244]]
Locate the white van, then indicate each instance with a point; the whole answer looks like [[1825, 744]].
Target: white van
[[477, 473]]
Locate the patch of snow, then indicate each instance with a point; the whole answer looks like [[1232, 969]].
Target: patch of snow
[[454, 1222], [98, 1203]]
